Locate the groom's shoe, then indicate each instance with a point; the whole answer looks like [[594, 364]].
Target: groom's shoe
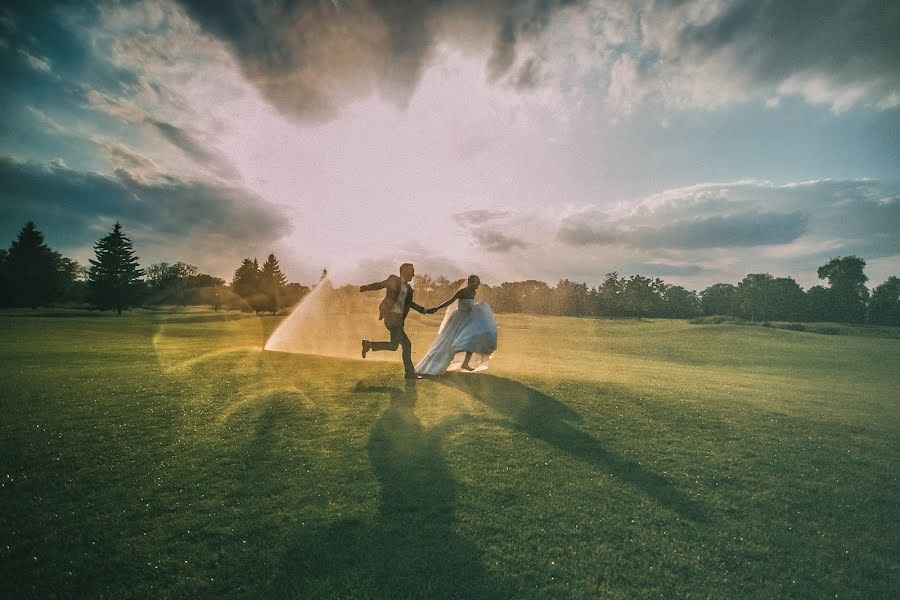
[[366, 346], [413, 376]]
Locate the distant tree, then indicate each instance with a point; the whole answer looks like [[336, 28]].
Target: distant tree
[[529, 296], [569, 298], [114, 278], [753, 293], [535, 296], [884, 307], [207, 289], [638, 296], [610, 297], [680, 303], [272, 282], [5, 284], [848, 293], [294, 292], [245, 284], [817, 305], [74, 280], [33, 271], [171, 284], [719, 299], [785, 300], [425, 290]]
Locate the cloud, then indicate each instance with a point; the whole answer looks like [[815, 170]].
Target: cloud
[[476, 217], [493, 240], [125, 159], [165, 214], [863, 214], [309, 58], [834, 52], [488, 229], [38, 63], [209, 157], [129, 111], [734, 230]]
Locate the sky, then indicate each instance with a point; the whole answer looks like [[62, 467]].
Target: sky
[[543, 139]]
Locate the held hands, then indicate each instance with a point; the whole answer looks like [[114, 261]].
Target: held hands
[[362, 288], [430, 311]]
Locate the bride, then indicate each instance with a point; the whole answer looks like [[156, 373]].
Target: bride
[[467, 327]]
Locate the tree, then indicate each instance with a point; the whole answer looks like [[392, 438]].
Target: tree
[[245, 284], [5, 284], [114, 278], [32, 270], [753, 296], [569, 298], [207, 289], [271, 284], [74, 279], [884, 307], [171, 284], [638, 295], [719, 299], [786, 300], [294, 292], [848, 293], [680, 303], [817, 304], [610, 296]]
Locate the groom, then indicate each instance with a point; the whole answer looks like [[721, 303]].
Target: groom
[[398, 299]]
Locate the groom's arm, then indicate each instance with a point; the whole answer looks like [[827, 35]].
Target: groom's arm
[[378, 285], [418, 308]]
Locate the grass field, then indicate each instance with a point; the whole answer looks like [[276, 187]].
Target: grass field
[[165, 454]]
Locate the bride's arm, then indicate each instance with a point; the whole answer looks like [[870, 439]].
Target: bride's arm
[[446, 303]]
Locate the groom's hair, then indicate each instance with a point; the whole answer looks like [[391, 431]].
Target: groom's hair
[[405, 267]]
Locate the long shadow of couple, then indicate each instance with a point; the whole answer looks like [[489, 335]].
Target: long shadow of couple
[[412, 549]]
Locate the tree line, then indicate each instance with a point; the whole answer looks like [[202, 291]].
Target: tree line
[[32, 275]]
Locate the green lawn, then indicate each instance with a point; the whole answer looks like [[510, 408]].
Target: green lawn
[[165, 454]]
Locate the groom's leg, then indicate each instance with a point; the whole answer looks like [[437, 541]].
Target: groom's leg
[[396, 334], [407, 354]]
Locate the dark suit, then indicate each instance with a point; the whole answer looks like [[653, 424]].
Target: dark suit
[[395, 319]]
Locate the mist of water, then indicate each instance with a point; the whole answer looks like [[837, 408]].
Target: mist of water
[[319, 325]]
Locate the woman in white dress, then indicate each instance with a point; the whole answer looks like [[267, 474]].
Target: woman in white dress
[[468, 327]]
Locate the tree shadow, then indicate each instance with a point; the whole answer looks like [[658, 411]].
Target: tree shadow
[[412, 548], [545, 418]]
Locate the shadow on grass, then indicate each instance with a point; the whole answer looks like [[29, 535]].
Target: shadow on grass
[[411, 549], [545, 418]]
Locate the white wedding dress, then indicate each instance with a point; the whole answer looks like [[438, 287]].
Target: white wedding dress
[[468, 326]]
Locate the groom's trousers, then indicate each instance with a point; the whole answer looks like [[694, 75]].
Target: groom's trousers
[[398, 339]]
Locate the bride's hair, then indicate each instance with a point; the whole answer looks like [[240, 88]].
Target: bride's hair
[[473, 281]]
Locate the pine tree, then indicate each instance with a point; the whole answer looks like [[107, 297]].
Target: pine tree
[[114, 278], [32, 269], [272, 282], [246, 283]]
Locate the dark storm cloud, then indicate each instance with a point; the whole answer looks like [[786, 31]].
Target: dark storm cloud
[[69, 204], [309, 56], [740, 230], [847, 41]]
